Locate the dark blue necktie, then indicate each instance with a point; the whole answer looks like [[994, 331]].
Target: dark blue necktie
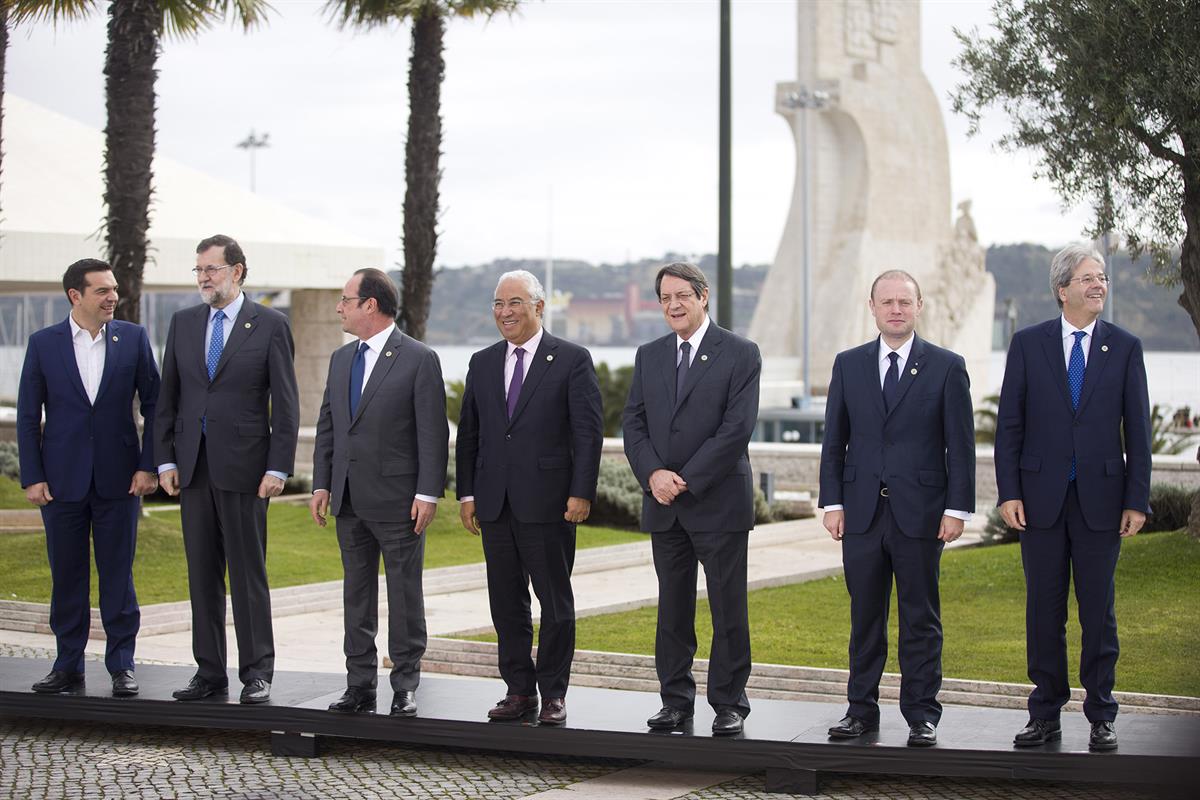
[[1075, 369], [518, 380], [216, 343], [891, 381], [357, 370], [681, 369]]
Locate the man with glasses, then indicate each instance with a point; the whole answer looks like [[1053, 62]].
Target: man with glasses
[[225, 430], [691, 411], [1073, 476], [380, 465], [528, 458]]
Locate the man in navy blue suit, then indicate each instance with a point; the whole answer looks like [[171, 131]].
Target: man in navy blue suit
[[528, 458], [1074, 387], [86, 470], [897, 484]]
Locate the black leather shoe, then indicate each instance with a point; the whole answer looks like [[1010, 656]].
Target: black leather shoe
[[1104, 737], [727, 723], [554, 711], [404, 704], [851, 728], [513, 706], [124, 684], [59, 682], [256, 691], [668, 718], [1037, 732], [922, 734], [355, 699], [198, 689]]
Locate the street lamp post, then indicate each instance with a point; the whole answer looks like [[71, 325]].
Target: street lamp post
[[251, 144]]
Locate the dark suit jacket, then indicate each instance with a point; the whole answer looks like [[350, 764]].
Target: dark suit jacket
[[549, 451], [397, 444], [702, 435], [924, 450], [1037, 432], [252, 406], [83, 442]]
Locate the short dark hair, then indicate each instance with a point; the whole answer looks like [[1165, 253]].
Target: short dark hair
[[376, 284], [895, 273], [76, 275], [233, 251], [688, 272]]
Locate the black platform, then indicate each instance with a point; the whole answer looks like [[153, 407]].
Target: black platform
[[784, 739]]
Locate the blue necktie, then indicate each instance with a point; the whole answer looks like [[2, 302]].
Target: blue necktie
[[216, 344], [891, 381], [1075, 368], [357, 370]]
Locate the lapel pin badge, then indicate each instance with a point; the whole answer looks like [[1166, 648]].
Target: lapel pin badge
[[1103, 347], [388, 354], [549, 357], [115, 338], [704, 356], [247, 324], [913, 371]]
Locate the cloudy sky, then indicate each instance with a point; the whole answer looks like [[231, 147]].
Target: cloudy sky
[[582, 128]]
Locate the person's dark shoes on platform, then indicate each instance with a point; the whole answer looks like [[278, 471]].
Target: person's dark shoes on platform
[[404, 704], [1037, 732], [851, 728], [554, 711], [59, 682], [728, 722], [198, 688], [1104, 736], [256, 691], [668, 718], [124, 684], [354, 700], [922, 734], [513, 706]]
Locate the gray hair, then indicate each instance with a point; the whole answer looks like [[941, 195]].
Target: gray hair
[[532, 284], [1063, 265], [684, 271]]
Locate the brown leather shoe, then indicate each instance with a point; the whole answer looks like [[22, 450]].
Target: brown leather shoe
[[554, 711], [513, 706]]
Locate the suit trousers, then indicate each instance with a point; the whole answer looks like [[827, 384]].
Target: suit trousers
[[1049, 556], [676, 554], [362, 542], [543, 554], [223, 528], [869, 561], [111, 525]]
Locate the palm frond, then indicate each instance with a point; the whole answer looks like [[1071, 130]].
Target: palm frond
[[54, 11], [380, 13]]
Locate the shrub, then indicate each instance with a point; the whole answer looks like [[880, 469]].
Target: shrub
[[618, 496], [10, 465], [1170, 506], [996, 531]]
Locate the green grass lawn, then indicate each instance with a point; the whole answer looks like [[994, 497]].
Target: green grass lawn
[[11, 494], [983, 617], [298, 552]]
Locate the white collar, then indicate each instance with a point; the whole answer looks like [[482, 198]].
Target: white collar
[[902, 351], [76, 330], [376, 342], [696, 338], [232, 310], [1068, 329]]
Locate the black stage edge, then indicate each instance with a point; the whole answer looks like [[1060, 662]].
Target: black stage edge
[[784, 739]]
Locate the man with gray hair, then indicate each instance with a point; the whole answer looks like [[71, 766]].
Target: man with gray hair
[[1074, 387], [527, 460]]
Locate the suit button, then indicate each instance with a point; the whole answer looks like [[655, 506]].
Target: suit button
[[508, 436]]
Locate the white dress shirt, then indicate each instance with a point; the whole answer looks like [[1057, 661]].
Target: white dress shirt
[[885, 363], [695, 340], [89, 357], [1068, 340]]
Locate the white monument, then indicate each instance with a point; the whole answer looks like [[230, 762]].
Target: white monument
[[879, 193]]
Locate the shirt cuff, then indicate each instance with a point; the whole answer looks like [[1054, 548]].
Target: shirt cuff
[[468, 499], [833, 507], [965, 516], [166, 468], [326, 491], [277, 474], [427, 498]]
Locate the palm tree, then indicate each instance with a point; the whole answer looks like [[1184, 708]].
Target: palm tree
[[422, 153], [135, 32]]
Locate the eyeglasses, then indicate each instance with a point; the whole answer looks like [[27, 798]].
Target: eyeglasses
[[516, 304], [345, 299], [682, 297], [1089, 280], [210, 272]]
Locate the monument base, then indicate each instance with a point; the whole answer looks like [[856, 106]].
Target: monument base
[[784, 739]]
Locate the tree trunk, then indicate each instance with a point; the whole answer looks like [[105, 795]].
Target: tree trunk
[[3, 67], [421, 170], [1189, 257], [129, 70]]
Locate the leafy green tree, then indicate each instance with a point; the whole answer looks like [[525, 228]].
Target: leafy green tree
[[1105, 93], [614, 391], [423, 149], [135, 32]]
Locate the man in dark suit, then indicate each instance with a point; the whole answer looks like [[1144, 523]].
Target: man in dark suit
[[528, 457], [897, 484], [1074, 387], [86, 470], [691, 412], [380, 464], [226, 431]]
